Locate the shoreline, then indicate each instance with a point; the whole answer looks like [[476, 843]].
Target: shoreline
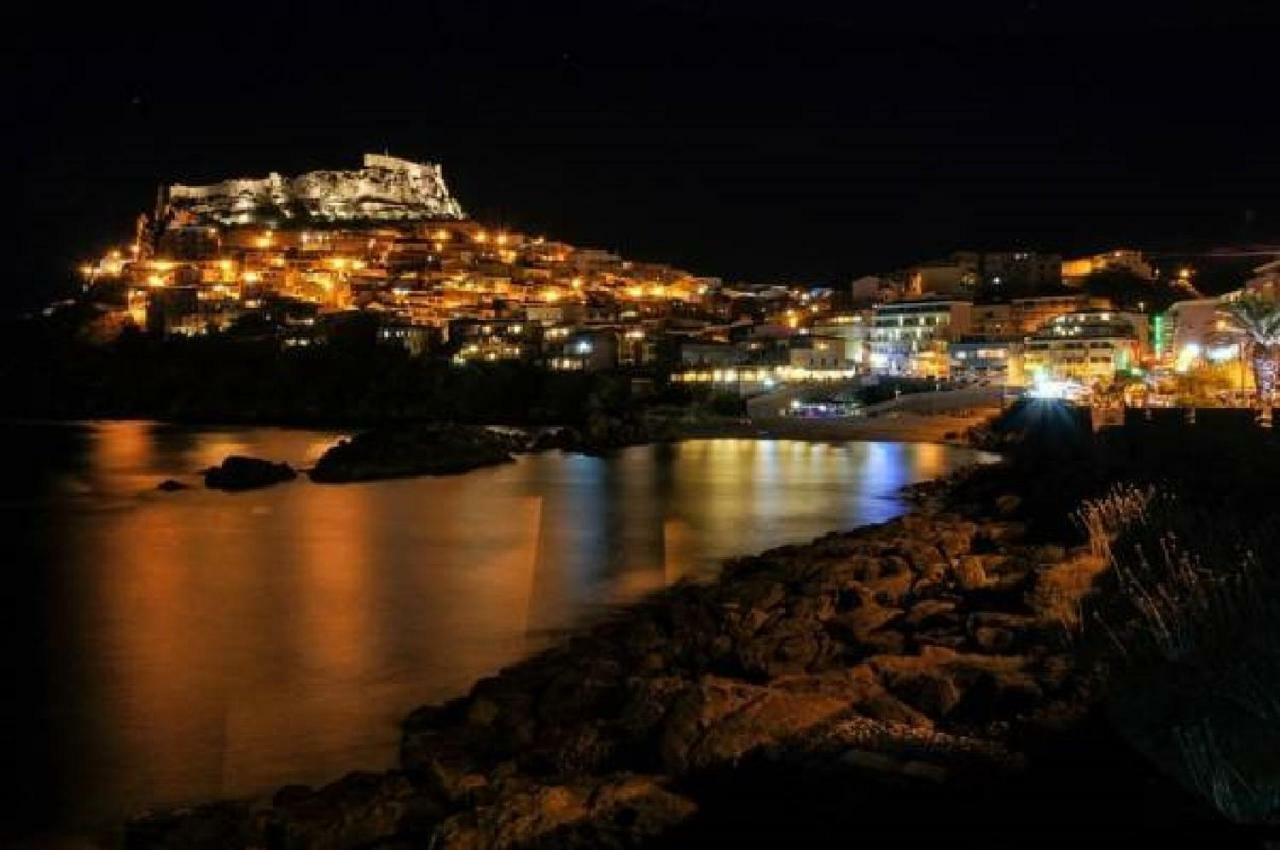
[[894, 427], [924, 653], [897, 427], [883, 503]]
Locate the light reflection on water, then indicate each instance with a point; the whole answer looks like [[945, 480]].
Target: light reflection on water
[[186, 646]]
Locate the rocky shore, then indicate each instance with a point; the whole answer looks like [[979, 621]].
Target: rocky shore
[[927, 655], [400, 451]]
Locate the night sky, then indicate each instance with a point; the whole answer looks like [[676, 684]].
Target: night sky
[[787, 141]]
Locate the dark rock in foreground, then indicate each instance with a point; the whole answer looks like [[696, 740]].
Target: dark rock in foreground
[[170, 485], [401, 452], [246, 473]]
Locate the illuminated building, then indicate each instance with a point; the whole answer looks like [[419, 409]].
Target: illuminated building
[[995, 362], [584, 350], [1030, 314], [854, 332], [1088, 346], [637, 346], [1075, 271], [188, 311], [1199, 336], [493, 340], [750, 379], [554, 312], [816, 353], [1195, 323], [910, 337], [414, 339]]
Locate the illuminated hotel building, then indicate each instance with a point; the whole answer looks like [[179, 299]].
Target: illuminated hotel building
[[1089, 346], [911, 337]]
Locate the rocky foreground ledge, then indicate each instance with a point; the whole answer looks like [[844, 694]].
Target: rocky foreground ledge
[[923, 653]]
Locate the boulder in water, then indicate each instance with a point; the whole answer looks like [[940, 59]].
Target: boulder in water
[[246, 473], [405, 451]]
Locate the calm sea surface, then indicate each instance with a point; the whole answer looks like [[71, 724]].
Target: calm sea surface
[[163, 648]]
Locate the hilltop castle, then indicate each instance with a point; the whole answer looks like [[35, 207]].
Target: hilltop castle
[[387, 188]]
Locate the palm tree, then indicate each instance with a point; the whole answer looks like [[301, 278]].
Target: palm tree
[[1258, 319]]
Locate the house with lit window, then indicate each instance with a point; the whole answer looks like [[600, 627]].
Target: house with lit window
[[911, 337], [815, 352], [995, 362], [853, 329], [1027, 315], [583, 350], [489, 340], [415, 339], [1088, 346], [1190, 326]]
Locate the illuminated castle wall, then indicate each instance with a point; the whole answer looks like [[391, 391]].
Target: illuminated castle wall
[[385, 189]]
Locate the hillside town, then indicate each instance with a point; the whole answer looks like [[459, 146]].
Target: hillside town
[[295, 259]]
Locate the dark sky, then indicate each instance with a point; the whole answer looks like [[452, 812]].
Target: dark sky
[[788, 140]]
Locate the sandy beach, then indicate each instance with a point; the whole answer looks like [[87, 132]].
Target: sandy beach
[[898, 426]]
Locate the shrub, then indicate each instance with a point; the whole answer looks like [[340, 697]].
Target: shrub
[[1190, 628]]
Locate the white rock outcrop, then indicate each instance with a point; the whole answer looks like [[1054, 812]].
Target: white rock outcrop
[[387, 188]]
